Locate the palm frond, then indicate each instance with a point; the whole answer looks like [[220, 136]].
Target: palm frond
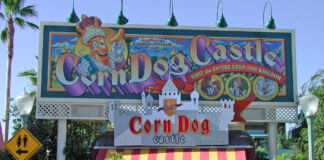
[[18, 5], [305, 87], [32, 25], [316, 76], [27, 73], [321, 71], [33, 80], [314, 82], [12, 6], [7, 3], [31, 74], [32, 93], [20, 22], [1, 14], [16, 8], [4, 35], [28, 11]]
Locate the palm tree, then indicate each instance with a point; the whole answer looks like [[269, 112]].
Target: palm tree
[[15, 13], [314, 82], [32, 76]]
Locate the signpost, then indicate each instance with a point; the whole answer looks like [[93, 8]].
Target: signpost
[[23, 145]]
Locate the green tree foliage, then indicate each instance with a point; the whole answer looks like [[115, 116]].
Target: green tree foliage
[[298, 141], [32, 76], [79, 139], [282, 142], [15, 14], [299, 134], [116, 156], [314, 82], [80, 134], [45, 131], [286, 156]]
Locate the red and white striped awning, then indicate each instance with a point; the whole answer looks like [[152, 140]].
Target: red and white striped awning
[[175, 154]]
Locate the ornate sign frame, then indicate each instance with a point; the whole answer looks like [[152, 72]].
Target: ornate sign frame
[[52, 105]]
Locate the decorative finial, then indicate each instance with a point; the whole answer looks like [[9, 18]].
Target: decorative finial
[[172, 20], [271, 23], [73, 16], [221, 23], [121, 18]]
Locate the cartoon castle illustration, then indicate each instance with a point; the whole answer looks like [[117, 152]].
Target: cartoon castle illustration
[[170, 91], [170, 106]]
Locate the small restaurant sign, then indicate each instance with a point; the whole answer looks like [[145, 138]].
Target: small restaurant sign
[[172, 123]]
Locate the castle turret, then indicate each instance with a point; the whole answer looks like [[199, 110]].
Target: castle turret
[[194, 96], [173, 52], [149, 100], [169, 91], [169, 87], [143, 99]]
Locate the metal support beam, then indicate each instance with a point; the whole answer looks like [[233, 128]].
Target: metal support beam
[[61, 139], [272, 135]]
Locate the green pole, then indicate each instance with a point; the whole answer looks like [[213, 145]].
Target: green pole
[[24, 117], [310, 137]]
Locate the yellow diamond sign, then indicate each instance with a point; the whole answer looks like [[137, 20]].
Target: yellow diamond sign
[[23, 145]]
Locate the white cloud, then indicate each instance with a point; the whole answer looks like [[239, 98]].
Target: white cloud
[[268, 43], [243, 43], [65, 45], [74, 39], [218, 41]]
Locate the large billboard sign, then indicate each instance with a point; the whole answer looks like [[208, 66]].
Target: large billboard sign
[[96, 61]]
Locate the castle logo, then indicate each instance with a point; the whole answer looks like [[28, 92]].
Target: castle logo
[[170, 106]]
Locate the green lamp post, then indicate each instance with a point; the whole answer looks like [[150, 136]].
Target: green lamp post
[[121, 20], [172, 20], [73, 16], [309, 105], [271, 23], [221, 23]]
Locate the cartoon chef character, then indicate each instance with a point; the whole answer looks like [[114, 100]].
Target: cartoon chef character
[[93, 36]]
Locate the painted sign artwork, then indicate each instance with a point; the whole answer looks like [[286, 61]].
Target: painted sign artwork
[[92, 61]]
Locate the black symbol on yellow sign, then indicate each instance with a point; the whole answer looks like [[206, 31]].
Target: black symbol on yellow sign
[[23, 145], [19, 151], [25, 139], [18, 141]]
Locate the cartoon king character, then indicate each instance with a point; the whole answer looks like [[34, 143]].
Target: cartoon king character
[[238, 90], [94, 36], [266, 89], [209, 86]]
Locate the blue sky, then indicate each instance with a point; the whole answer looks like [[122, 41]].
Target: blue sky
[[306, 18]]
